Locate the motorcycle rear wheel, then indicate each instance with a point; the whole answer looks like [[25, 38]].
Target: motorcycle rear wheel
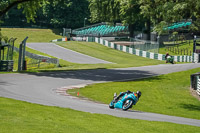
[[127, 104]]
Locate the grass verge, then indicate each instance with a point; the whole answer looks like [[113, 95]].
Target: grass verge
[[17, 116], [187, 46], [166, 94], [119, 58], [34, 35]]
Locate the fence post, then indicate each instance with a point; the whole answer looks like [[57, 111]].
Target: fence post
[[38, 63], [20, 58], [13, 43], [22, 51], [184, 51], [194, 44]]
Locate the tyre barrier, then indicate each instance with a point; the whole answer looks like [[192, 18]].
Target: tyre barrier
[[195, 82]]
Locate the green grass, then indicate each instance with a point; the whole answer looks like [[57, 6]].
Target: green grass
[[22, 117], [166, 94], [35, 35], [185, 45], [120, 59]]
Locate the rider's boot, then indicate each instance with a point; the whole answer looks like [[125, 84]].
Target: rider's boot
[[115, 97]]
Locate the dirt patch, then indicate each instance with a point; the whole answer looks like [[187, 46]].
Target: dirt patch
[[63, 91]]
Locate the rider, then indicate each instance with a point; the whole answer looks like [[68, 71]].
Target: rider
[[167, 55], [137, 94]]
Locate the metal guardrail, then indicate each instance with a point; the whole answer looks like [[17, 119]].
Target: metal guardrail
[[6, 55], [6, 65], [146, 54]]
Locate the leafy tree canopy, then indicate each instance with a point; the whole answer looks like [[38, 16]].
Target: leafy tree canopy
[[29, 7], [46, 13]]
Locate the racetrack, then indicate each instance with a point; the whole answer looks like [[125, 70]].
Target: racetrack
[[65, 54], [42, 88]]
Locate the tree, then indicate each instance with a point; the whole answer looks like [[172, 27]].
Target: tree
[[164, 12], [66, 13], [104, 10], [30, 7], [125, 11], [130, 14], [52, 14]]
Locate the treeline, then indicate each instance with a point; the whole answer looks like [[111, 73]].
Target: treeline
[[52, 14], [146, 15]]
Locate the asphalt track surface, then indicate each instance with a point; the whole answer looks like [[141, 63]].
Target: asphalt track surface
[[65, 54], [43, 88]]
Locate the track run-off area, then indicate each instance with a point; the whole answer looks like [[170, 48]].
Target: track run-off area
[[43, 88]]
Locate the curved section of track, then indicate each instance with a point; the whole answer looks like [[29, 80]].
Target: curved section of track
[[41, 88], [65, 54]]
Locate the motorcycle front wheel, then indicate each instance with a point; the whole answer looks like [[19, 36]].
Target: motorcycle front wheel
[[111, 105], [127, 104]]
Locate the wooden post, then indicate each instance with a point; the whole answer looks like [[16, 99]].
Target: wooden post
[[184, 51]]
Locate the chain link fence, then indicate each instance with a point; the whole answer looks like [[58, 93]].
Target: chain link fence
[[39, 61], [144, 45]]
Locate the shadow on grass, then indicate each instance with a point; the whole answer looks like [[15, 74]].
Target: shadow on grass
[[190, 107]]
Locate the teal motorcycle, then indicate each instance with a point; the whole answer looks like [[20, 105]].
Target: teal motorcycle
[[125, 102]]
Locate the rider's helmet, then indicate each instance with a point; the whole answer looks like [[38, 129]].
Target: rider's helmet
[[138, 93]]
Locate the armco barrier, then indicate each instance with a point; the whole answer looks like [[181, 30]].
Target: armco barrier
[[142, 53], [59, 40], [195, 82], [137, 52]]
